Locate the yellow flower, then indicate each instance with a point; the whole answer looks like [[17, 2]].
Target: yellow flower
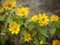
[[34, 18], [56, 42], [14, 28], [1, 10], [43, 19], [8, 4], [22, 11], [41, 42], [54, 18], [27, 37]]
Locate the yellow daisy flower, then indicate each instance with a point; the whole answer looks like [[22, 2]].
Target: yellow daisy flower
[[1, 10], [27, 37], [8, 4], [34, 18], [43, 19], [23, 11], [41, 42], [56, 42], [14, 28], [54, 18]]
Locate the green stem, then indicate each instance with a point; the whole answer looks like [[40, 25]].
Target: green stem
[[6, 22]]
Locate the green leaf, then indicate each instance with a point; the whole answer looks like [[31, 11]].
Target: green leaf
[[9, 20], [28, 20], [20, 21], [36, 41], [42, 38], [51, 22], [33, 33], [57, 24], [42, 30], [23, 31], [58, 35], [31, 26], [11, 11], [52, 30], [3, 40], [1, 17], [22, 41]]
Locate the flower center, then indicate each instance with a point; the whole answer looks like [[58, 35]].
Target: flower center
[[43, 19], [9, 5], [22, 12]]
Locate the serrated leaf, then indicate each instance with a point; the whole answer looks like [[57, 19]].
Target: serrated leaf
[[10, 20], [31, 26], [52, 30], [42, 31]]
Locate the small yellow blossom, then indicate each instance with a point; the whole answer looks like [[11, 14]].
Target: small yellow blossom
[[14, 28], [41, 42], [27, 37], [43, 19], [22, 11], [56, 42], [8, 4], [34, 18], [54, 18], [1, 10]]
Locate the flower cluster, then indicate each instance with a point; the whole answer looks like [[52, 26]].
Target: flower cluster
[[43, 19], [35, 32]]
